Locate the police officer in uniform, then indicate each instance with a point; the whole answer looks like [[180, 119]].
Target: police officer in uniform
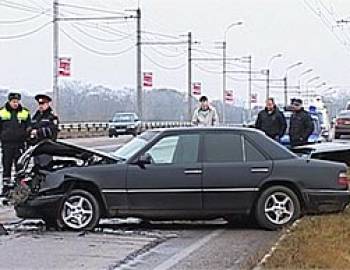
[[14, 125], [44, 126]]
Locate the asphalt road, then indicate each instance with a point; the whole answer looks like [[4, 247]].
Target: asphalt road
[[129, 244]]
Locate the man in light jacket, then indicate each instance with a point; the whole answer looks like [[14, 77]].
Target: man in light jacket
[[205, 115]]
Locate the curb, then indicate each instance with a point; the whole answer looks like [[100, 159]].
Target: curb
[[260, 264]]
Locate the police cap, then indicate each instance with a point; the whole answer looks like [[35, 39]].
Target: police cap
[[14, 96], [42, 98]]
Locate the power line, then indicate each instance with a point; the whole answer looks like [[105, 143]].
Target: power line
[[102, 53], [27, 19], [107, 40], [91, 9], [162, 66], [21, 7], [18, 36], [207, 70], [160, 34]]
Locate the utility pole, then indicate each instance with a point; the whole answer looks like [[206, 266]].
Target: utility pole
[[138, 60], [285, 91], [267, 83], [223, 80], [55, 89], [250, 86], [189, 97]]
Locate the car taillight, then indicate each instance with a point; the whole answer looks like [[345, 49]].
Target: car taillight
[[343, 179]]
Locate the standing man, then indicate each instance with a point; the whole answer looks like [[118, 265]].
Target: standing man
[[301, 125], [14, 125], [204, 115], [271, 121], [44, 126]]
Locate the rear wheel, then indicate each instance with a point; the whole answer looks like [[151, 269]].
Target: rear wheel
[[277, 207], [79, 211]]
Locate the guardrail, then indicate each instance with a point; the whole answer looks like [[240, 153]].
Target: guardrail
[[91, 129]]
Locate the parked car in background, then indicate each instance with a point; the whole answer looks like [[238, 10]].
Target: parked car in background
[[123, 124], [342, 124], [180, 173]]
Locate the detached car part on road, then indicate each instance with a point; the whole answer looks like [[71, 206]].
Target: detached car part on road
[[183, 173]]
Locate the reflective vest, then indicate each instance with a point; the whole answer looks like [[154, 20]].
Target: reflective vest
[[21, 115]]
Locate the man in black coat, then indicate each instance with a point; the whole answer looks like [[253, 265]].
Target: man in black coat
[[301, 124], [14, 125], [271, 121], [44, 126]]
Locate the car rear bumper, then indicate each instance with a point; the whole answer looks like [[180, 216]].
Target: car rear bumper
[[342, 130], [323, 201], [38, 207], [116, 132]]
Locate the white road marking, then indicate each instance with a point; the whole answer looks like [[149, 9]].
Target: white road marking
[[187, 251]]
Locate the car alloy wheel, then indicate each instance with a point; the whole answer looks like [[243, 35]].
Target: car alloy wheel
[[79, 211], [276, 207], [279, 208]]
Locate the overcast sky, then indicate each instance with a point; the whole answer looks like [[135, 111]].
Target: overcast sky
[[289, 27]]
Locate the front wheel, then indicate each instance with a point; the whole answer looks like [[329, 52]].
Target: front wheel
[[79, 211], [276, 207]]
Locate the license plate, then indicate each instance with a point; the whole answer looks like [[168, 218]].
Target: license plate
[[347, 122], [121, 130]]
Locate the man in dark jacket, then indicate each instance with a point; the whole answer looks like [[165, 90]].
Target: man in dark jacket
[[14, 125], [301, 125], [271, 121], [44, 126]]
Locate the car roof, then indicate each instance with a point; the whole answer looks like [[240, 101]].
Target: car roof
[[215, 128]]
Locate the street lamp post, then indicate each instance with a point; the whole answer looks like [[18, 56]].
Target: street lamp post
[[307, 88], [301, 75], [286, 81], [224, 67], [268, 74]]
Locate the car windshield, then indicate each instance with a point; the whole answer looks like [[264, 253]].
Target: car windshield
[[132, 147], [123, 118]]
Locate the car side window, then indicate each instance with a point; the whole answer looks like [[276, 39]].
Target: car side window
[[223, 147], [177, 149], [251, 153]]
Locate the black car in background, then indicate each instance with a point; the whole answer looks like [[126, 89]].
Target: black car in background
[[183, 173], [342, 124], [124, 124]]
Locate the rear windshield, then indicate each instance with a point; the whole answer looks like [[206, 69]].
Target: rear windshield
[[344, 114], [272, 148]]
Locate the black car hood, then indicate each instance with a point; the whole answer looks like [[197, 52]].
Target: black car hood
[[64, 149]]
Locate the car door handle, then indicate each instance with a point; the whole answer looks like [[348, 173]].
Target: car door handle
[[259, 170], [194, 171]]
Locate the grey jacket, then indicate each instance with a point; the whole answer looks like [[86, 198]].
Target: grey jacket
[[205, 118]]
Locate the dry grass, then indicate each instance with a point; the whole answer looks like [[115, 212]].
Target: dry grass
[[318, 242]]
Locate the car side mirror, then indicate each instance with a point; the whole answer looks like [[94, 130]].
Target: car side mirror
[[144, 159]]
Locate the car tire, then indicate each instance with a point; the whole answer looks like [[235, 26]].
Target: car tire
[[283, 207], [79, 211], [337, 135], [110, 135]]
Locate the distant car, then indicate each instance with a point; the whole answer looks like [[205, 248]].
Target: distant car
[[342, 124], [180, 173], [315, 137], [123, 124]]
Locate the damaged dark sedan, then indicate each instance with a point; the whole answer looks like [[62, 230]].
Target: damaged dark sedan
[[182, 173]]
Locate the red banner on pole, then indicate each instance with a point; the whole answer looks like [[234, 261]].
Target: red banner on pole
[[196, 88], [229, 97], [254, 98], [147, 79], [64, 66]]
